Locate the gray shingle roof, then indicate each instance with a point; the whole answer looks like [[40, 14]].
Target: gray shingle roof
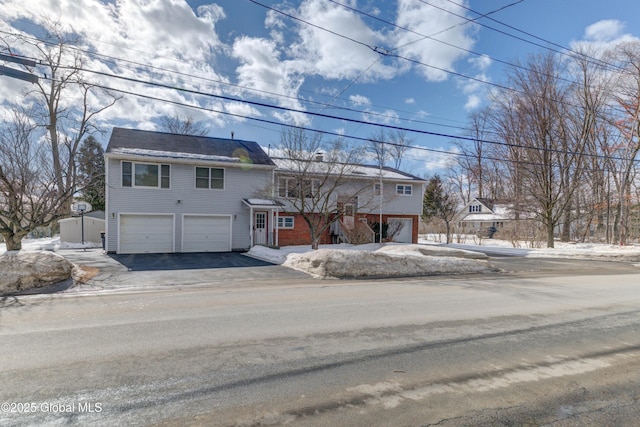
[[168, 145], [361, 170]]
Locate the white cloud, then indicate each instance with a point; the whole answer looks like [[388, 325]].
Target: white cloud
[[473, 102], [385, 117], [262, 69], [427, 20], [151, 39], [604, 31], [333, 57], [475, 88], [603, 36], [425, 163], [359, 100], [482, 62], [409, 101]]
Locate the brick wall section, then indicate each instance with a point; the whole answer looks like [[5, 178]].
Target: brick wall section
[[300, 234]]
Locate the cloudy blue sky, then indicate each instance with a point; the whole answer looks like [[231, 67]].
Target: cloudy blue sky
[[423, 65]]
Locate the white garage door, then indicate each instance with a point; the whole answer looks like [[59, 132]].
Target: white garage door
[[146, 234], [206, 233], [404, 234]]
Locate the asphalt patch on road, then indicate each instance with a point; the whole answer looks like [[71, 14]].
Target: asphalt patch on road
[[186, 261]]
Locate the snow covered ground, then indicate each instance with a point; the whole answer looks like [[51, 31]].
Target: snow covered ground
[[374, 260], [395, 260], [49, 244], [562, 250], [428, 257]]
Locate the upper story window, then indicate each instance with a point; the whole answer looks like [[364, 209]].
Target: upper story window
[[212, 178], [376, 190], [149, 175], [404, 190], [293, 187], [475, 208]]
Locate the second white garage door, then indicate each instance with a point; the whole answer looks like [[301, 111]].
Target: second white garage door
[[404, 227], [206, 233]]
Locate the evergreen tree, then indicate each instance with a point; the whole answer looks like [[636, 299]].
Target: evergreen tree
[[91, 179], [438, 204]]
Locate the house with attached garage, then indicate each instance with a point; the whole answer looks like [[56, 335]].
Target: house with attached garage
[[181, 193]]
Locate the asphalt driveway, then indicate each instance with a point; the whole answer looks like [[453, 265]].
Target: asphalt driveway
[[112, 271], [186, 261]]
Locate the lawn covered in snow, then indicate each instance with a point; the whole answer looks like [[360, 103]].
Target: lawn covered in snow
[[397, 260], [427, 258]]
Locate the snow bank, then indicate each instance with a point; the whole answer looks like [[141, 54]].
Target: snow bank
[[438, 251], [375, 261]]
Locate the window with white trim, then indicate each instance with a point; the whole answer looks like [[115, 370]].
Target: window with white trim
[[294, 187], [376, 189], [210, 178], [285, 222], [149, 175], [475, 208], [404, 189]]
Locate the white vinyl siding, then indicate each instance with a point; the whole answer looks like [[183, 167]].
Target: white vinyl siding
[[246, 181]]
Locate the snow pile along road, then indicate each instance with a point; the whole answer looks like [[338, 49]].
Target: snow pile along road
[[388, 261]]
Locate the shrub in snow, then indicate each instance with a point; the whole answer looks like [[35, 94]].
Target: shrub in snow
[[27, 270]]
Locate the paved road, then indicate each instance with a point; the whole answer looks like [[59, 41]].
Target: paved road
[[558, 345]]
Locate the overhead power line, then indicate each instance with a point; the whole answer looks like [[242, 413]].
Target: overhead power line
[[321, 105], [390, 53], [322, 115], [563, 50]]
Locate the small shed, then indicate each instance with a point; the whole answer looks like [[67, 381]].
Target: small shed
[[71, 228]]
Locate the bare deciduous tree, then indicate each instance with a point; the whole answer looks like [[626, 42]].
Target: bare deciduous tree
[[389, 147], [316, 179], [64, 102], [29, 197], [627, 96], [183, 125]]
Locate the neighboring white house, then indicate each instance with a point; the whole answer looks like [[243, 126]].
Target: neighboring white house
[[481, 214], [180, 193]]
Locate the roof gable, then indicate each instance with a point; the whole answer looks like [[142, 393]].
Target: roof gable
[[167, 145]]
